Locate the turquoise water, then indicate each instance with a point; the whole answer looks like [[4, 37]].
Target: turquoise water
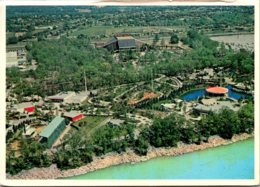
[[235, 161], [193, 95]]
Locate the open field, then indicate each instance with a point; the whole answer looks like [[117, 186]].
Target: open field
[[111, 30], [237, 41], [91, 123]]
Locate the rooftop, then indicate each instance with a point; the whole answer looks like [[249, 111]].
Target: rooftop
[[122, 41], [78, 98], [71, 114], [217, 90], [62, 96], [47, 131], [208, 102], [24, 105], [125, 38], [169, 105], [216, 107]]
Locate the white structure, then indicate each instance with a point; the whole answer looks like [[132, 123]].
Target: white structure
[[11, 59], [116, 122], [78, 98], [30, 131], [61, 97], [168, 106], [24, 107]]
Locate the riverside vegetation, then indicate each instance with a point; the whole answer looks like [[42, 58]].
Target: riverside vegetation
[[165, 132]]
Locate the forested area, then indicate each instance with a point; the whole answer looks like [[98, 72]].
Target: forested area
[[167, 132], [63, 63], [63, 20], [135, 16]]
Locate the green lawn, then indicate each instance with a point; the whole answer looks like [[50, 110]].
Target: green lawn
[[110, 30], [92, 123]]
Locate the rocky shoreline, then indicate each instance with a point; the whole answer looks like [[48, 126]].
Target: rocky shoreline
[[129, 156]]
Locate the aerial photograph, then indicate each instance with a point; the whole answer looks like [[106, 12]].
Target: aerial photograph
[[130, 92]]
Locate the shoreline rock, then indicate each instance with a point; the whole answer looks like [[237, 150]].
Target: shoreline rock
[[112, 159]]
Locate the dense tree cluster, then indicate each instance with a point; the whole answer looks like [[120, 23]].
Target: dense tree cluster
[[174, 39], [169, 131], [227, 122], [62, 64], [32, 155], [79, 150]]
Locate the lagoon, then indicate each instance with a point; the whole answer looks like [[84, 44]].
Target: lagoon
[[233, 161], [195, 94]]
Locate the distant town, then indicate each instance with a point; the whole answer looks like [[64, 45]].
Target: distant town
[[82, 82]]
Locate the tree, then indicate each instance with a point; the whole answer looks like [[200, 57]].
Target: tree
[[166, 131], [174, 39], [12, 40], [156, 39], [141, 146], [246, 116], [163, 42]]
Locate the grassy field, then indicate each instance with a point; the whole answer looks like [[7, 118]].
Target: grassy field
[[93, 122], [110, 30]]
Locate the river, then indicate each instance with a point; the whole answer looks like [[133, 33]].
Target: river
[[233, 161]]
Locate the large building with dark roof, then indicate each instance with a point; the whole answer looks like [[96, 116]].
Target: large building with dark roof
[[122, 42]]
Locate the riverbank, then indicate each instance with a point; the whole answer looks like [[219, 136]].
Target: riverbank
[[129, 156]]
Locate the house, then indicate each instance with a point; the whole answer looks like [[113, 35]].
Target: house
[[11, 59], [26, 107], [51, 133], [73, 116]]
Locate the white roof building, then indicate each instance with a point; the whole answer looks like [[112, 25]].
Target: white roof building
[[78, 98], [168, 106], [64, 96]]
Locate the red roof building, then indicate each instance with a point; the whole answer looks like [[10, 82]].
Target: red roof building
[[217, 90], [73, 116], [25, 107], [29, 109]]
